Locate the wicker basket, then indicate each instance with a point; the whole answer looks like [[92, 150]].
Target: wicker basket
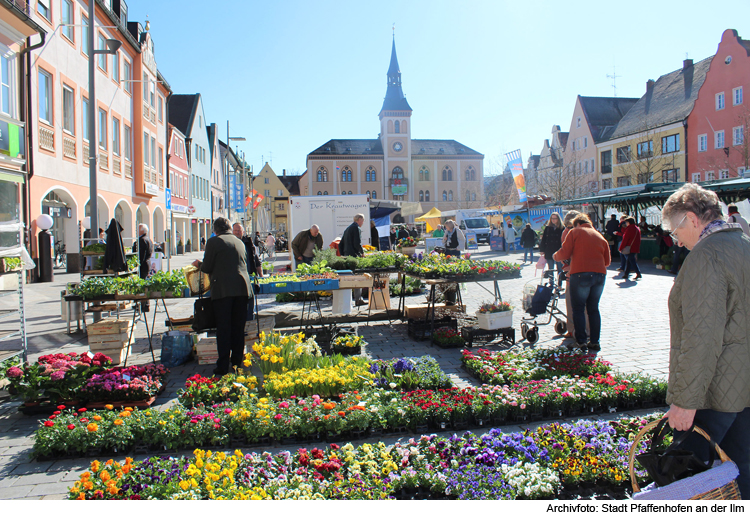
[[726, 491], [193, 276]]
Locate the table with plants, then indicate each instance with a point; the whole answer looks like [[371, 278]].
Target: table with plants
[[228, 424], [160, 286], [442, 271]]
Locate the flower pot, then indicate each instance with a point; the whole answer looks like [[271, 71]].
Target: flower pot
[[409, 251], [493, 321]]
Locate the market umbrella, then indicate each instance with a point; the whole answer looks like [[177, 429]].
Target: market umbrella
[[431, 219]]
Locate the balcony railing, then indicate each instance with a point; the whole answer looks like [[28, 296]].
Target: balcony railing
[[46, 138], [69, 147]]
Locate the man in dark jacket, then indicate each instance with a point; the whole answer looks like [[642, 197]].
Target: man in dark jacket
[[402, 233], [225, 261], [612, 227], [351, 246], [351, 240], [253, 262], [145, 250], [305, 242]]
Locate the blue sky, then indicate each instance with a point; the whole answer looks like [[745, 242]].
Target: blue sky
[[494, 75]]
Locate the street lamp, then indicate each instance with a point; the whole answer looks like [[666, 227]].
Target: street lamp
[[112, 46]]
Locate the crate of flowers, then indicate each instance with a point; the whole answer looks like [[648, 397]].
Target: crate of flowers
[[348, 344], [136, 385], [420, 329], [447, 337], [494, 315]]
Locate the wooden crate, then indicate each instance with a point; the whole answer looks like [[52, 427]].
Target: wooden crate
[[108, 339], [266, 322], [110, 326], [419, 311], [355, 281], [116, 354]]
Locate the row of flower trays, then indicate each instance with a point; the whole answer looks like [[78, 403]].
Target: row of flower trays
[[73, 380], [284, 284]]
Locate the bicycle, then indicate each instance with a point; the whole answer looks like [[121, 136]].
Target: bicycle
[[60, 259]]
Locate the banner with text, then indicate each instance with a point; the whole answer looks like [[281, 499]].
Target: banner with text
[[515, 163]]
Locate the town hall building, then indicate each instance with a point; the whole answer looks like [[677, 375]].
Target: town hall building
[[440, 173]]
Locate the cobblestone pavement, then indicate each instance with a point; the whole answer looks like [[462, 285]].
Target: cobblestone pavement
[[635, 338]]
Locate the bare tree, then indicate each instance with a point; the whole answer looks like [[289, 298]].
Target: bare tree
[[648, 157], [561, 179]]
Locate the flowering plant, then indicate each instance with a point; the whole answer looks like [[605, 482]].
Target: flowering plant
[[232, 387], [409, 373], [137, 382], [494, 307], [406, 242], [448, 337], [349, 341], [278, 353]]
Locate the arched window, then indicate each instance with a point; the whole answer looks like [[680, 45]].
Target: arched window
[[325, 193], [447, 174], [367, 175], [368, 194], [427, 196], [468, 196], [350, 192], [450, 196], [471, 174], [343, 192], [421, 196], [445, 196], [398, 173], [397, 126], [322, 174], [374, 195], [370, 174], [346, 174], [473, 197], [320, 193], [424, 174]]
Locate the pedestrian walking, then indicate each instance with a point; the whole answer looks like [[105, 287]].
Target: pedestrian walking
[[251, 254], [528, 240], [552, 240], [589, 256], [225, 261], [510, 237], [145, 250], [374, 236], [630, 247], [709, 306], [270, 244], [305, 243]]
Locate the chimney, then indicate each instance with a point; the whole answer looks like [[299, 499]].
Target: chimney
[[687, 63], [283, 172], [650, 85]]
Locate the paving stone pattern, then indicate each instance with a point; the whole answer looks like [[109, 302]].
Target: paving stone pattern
[[635, 338]]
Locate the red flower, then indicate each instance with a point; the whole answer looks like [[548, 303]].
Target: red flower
[[57, 412], [82, 410], [71, 427], [49, 423], [60, 407]]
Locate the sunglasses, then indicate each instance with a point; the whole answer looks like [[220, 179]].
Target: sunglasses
[[674, 237]]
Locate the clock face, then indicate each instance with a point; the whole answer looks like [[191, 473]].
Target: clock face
[[397, 146]]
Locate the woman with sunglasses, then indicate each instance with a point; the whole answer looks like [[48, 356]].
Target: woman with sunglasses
[[709, 310]]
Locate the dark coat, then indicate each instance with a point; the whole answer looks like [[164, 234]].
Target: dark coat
[[374, 237], [612, 227], [253, 262], [114, 254], [402, 233], [225, 260], [351, 242], [551, 241], [145, 250], [528, 238]]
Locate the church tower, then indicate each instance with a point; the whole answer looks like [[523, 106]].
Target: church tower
[[395, 135]]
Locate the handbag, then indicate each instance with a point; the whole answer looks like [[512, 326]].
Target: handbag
[[625, 250], [204, 317], [667, 465]]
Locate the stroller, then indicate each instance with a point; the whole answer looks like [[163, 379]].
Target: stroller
[[539, 299]]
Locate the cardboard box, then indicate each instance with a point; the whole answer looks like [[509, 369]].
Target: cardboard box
[[380, 292], [355, 281], [110, 326]]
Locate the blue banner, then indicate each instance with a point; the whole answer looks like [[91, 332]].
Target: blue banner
[[232, 203], [239, 198], [515, 164]]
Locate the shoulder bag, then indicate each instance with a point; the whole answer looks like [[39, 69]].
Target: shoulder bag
[[204, 317]]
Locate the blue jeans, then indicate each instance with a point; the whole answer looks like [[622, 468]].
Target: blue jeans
[[631, 264], [731, 431], [623, 261], [552, 263], [585, 291], [530, 253]]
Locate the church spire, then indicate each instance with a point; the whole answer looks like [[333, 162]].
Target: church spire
[[394, 95]]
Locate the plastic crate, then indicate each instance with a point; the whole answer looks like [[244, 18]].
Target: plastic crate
[[421, 330], [280, 287], [319, 285]]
